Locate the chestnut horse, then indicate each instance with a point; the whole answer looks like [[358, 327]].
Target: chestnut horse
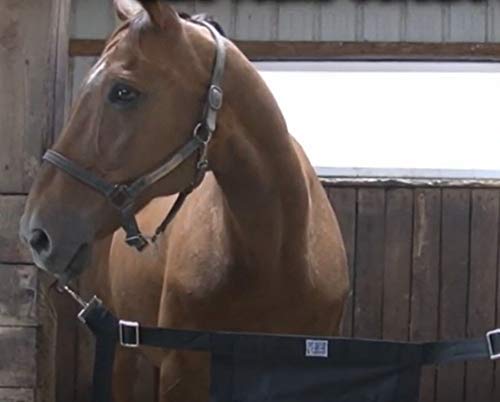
[[255, 247]]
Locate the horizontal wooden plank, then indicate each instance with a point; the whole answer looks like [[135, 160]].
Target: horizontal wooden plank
[[17, 395], [11, 248], [18, 295], [313, 50], [18, 357]]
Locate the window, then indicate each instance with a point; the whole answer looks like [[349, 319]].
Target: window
[[399, 119]]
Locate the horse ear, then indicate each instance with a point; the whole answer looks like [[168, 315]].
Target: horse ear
[[161, 14], [126, 9]]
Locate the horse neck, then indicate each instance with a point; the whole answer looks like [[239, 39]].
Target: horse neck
[[255, 161]]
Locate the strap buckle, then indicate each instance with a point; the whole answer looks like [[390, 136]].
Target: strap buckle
[[491, 349], [128, 333], [215, 97], [138, 241]]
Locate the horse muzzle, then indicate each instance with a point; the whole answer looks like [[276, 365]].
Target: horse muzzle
[[58, 245]]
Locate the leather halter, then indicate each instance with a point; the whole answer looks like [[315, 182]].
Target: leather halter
[[123, 196]]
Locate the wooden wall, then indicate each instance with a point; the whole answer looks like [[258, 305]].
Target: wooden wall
[[424, 261], [326, 20], [30, 59], [424, 266]]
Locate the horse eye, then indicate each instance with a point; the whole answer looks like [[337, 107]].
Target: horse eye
[[123, 94]]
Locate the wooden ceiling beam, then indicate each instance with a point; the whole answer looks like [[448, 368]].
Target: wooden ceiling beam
[[288, 50]]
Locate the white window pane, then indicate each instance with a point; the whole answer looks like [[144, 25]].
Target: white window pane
[[434, 116]]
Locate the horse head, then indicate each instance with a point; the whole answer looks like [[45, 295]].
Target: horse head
[[138, 106]]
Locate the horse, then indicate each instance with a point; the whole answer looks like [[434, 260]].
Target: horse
[[256, 245]]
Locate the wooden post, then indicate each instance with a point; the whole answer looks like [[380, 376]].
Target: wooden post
[[33, 60]]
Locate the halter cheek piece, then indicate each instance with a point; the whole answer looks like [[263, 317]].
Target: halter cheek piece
[[123, 196]]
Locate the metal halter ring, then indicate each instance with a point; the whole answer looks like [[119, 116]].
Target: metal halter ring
[[120, 196], [196, 134]]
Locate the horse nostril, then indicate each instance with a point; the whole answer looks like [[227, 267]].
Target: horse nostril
[[39, 241]]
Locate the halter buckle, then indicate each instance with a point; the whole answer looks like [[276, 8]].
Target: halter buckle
[[215, 97], [138, 241]]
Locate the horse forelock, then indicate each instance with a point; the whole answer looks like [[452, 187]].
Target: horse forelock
[[132, 26]]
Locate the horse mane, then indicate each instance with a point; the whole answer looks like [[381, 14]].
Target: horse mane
[[204, 17]]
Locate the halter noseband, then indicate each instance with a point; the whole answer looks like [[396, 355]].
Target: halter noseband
[[123, 196]]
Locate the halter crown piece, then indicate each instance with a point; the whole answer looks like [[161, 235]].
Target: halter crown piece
[[123, 196]]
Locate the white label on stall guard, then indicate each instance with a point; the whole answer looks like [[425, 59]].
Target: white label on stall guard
[[316, 348]]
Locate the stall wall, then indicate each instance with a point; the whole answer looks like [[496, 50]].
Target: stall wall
[[424, 266]]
